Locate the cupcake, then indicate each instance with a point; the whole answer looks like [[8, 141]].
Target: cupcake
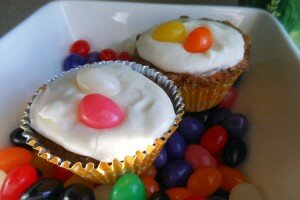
[[103, 120], [203, 57]]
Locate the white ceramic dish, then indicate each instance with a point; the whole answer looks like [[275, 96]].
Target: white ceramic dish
[[269, 95]]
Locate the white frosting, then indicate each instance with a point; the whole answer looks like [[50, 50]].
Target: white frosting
[[147, 108], [226, 51]]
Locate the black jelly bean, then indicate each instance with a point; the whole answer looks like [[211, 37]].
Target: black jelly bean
[[159, 195], [234, 152], [77, 192], [17, 139]]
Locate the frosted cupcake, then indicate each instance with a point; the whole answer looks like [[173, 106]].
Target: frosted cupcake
[[103, 120], [203, 57]]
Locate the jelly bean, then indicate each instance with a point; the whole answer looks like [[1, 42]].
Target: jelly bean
[[204, 181], [128, 187], [219, 116], [198, 157], [98, 111], [229, 99], [214, 139], [72, 61], [61, 173], [2, 177], [77, 191], [149, 173], [245, 191], [218, 158], [17, 139], [198, 41], [176, 173], [191, 129], [107, 54], [80, 47], [230, 177], [172, 31], [151, 186], [162, 159], [46, 189], [176, 146], [236, 124], [234, 152], [195, 198], [17, 181], [13, 157], [102, 192], [221, 193], [215, 198], [179, 193], [78, 179], [39, 173], [43, 165], [91, 58], [159, 195], [125, 56]]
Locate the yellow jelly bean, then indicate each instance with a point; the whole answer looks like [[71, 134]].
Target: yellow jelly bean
[[172, 31], [78, 179]]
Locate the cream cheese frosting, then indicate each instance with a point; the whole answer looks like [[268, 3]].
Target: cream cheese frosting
[[226, 51], [147, 109]]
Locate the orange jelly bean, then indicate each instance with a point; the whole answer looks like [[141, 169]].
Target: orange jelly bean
[[149, 173], [179, 193], [78, 179], [198, 41], [230, 177], [46, 167], [150, 185], [204, 181], [13, 157]]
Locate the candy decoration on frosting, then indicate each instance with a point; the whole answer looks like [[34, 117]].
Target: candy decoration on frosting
[[173, 31], [98, 111], [198, 41]]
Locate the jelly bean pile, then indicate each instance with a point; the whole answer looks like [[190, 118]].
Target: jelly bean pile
[[198, 162]]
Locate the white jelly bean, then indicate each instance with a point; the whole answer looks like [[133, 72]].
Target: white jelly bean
[[244, 191], [102, 192], [2, 177]]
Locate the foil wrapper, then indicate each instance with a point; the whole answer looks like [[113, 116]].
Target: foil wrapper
[[108, 172]]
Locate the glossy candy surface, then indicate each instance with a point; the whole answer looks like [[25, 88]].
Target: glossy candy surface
[[220, 114], [13, 157], [102, 192], [234, 152], [230, 177], [98, 111], [128, 187], [236, 124], [191, 129], [162, 158], [204, 181], [245, 191], [124, 56], [173, 31], [179, 193], [17, 181], [176, 173], [214, 139], [198, 41], [77, 191], [176, 146], [77, 179], [91, 58], [149, 173], [151, 186], [159, 195], [17, 139], [198, 157], [229, 99], [107, 54], [44, 189], [72, 61], [80, 47]]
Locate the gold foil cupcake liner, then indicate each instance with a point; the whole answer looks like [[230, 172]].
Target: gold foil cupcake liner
[[109, 172], [198, 97]]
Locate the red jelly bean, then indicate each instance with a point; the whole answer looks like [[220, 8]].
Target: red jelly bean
[[80, 47], [204, 181], [17, 181], [198, 157], [149, 173], [195, 198], [13, 157], [229, 99], [179, 193], [98, 111], [214, 139], [151, 186], [61, 173], [125, 56], [107, 54], [218, 157], [230, 177]]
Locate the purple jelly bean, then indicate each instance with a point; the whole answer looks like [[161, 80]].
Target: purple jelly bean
[[191, 129]]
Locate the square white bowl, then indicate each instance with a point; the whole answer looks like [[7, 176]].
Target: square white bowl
[[33, 52]]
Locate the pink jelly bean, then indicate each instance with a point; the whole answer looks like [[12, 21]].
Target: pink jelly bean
[[98, 111], [198, 157]]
